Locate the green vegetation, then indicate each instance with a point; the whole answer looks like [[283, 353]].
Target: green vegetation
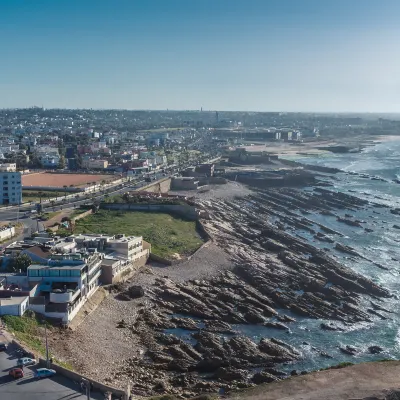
[[29, 330], [49, 215], [166, 234], [35, 195], [338, 366], [20, 262]]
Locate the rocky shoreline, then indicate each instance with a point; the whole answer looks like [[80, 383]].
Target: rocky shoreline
[[189, 328]]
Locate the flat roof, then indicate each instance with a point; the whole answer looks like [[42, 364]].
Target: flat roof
[[38, 266], [11, 301]]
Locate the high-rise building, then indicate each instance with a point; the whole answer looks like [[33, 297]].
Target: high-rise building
[[10, 185]]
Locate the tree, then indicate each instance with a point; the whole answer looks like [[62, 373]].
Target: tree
[[61, 163], [21, 262]]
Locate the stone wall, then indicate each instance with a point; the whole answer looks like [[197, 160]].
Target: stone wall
[[163, 185], [83, 215]]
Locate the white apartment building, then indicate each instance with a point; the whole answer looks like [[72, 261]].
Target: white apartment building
[[10, 187], [64, 284]]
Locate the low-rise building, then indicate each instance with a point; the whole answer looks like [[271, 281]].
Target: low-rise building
[[89, 163], [14, 305], [184, 183], [6, 232]]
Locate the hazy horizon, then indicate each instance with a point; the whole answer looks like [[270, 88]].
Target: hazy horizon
[[251, 56]]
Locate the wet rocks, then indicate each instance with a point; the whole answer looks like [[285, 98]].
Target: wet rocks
[[352, 351], [330, 327], [375, 349], [263, 377], [273, 268], [276, 325], [274, 349]]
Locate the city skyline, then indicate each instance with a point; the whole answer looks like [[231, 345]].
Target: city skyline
[[229, 56]]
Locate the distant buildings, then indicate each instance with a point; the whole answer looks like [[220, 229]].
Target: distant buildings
[[89, 163]]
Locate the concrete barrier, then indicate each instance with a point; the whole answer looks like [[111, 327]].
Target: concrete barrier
[[74, 376]]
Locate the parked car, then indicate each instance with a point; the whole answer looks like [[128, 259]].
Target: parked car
[[16, 373], [44, 373], [3, 346], [22, 353], [25, 361]]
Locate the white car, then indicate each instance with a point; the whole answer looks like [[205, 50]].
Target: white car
[[25, 361]]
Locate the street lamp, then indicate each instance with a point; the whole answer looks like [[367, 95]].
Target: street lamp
[[47, 345]]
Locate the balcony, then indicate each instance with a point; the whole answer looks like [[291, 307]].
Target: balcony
[[63, 296]]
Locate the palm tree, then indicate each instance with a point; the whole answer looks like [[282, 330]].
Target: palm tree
[[40, 197], [53, 204], [65, 191]]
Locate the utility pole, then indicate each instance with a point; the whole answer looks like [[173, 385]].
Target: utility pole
[[47, 345]]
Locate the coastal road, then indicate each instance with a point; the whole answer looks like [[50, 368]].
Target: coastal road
[[28, 388]]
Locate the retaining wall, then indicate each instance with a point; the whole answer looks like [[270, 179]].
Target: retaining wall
[[74, 376], [163, 184], [83, 215]]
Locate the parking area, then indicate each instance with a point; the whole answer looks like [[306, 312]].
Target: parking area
[[29, 388]]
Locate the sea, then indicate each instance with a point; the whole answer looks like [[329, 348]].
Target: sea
[[370, 175]]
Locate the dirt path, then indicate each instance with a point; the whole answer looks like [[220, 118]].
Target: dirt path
[[354, 382]]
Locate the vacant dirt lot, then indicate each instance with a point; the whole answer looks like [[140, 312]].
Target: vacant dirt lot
[[59, 180]]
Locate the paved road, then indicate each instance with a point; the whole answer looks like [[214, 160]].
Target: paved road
[[28, 388]]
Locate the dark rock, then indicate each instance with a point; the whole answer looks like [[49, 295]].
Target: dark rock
[[253, 318], [263, 377], [166, 339], [136, 292], [230, 374], [209, 364], [303, 373], [276, 325], [185, 323], [375, 349], [276, 350], [330, 327], [294, 373], [348, 350], [285, 318], [275, 372], [218, 327]]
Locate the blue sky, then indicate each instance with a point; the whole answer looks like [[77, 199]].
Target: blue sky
[[260, 55]]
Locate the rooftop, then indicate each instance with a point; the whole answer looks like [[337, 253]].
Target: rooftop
[[40, 266], [12, 301]]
